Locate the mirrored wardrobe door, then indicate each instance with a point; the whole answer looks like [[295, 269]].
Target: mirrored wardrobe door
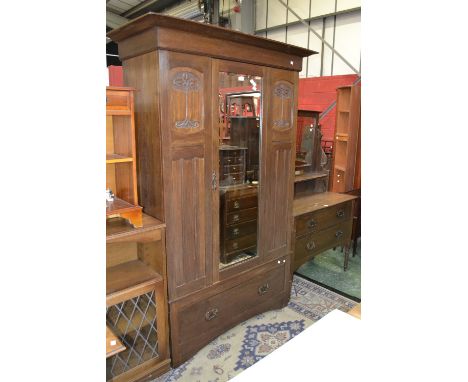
[[239, 96]]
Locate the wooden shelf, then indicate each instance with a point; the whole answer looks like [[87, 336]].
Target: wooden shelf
[[310, 175], [119, 206], [127, 280], [126, 210], [119, 228], [310, 203], [116, 158], [113, 344]]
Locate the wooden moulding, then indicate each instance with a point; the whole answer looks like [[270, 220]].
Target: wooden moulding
[[153, 31]]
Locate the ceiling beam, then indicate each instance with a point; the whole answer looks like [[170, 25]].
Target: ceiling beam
[[114, 21]]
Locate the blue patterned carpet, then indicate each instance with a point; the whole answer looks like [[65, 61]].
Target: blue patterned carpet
[[255, 338]]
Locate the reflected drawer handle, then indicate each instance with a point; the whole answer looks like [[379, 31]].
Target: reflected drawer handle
[[263, 289], [310, 245], [340, 213], [236, 204], [236, 231], [235, 218], [339, 233], [311, 223], [212, 313]]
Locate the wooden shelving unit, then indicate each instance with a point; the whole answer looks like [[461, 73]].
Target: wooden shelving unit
[[136, 299], [129, 279], [346, 149], [121, 175]]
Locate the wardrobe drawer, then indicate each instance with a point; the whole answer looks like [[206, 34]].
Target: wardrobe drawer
[[216, 314], [238, 230], [323, 218], [242, 216], [117, 100], [315, 243], [242, 203]]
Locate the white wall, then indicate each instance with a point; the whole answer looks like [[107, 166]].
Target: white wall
[[343, 31]]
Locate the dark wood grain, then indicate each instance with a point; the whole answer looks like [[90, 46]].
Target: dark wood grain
[[175, 67]]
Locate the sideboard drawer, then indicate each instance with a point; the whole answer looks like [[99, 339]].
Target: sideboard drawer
[[239, 230], [323, 218], [117, 100], [212, 316], [242, 203], [311, 244], [241, 216], [240, 244]]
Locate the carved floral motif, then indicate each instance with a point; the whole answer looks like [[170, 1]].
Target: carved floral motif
[[186, 82], [282, 91]]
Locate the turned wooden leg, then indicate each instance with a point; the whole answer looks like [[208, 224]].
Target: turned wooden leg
[[354, 246], [346, 257]]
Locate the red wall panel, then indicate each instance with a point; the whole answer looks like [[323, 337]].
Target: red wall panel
[[115, 75], [317, 93]]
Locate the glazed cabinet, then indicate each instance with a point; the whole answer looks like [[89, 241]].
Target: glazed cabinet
[[224, 192]]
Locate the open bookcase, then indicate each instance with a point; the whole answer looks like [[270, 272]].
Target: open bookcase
[[346, 143], [136, 300], [121, 156]]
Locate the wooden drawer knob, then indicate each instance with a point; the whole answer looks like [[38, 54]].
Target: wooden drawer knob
[[236, 231], [235, 218], [310, 245], [340, 213], [263, 289], [339, 233], [212, 313], [236, 204]]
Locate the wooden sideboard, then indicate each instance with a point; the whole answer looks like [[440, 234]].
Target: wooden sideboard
[[181, 69], [321, 221]]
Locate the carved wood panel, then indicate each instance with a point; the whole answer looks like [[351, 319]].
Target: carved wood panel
[[282, 105], [185, 122], [280, 100], [279, 192]]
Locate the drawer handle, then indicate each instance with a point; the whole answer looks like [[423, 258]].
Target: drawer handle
[[340, 213], [235, 218], [310, 245], [339, 233], [236, 231], [236, 204], [263, 289], [212, 313], [311, 223], [235, 245]]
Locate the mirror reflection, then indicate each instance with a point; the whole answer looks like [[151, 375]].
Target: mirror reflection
[[239, 162]]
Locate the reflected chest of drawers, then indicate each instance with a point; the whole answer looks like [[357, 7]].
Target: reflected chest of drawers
[[321, 221], [231, 165], [238, 222]]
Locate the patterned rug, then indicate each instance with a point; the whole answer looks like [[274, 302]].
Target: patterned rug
[[255, 338]]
